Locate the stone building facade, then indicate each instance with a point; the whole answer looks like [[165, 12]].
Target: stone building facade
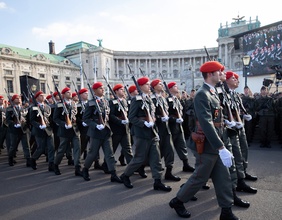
[[181, 66]]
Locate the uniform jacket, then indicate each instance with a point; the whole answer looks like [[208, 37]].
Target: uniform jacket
[[137, 117], [59, 119], [208, 111], [175, 107], [116, 116], [35, 121], [92, 119]]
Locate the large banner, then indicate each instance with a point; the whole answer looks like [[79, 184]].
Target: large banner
[[33, 84], [264, 48]]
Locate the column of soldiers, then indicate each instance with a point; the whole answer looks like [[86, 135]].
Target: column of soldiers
[[151, 120]]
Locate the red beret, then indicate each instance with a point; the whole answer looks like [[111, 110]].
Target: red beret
[[1, 97], [171, 84], [65, 90], [236, 75], [16, 96], [55, 94], [131, 88], [82, 91], [117, 87], [211, 66], [48, 96], [229, 74], [73, 94], [155, 82], [97, 85], [38, 94], [142, 81]]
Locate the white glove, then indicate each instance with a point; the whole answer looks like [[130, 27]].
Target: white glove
[[247, 117], [17, 125], [42, 126], [239, 125], [149, 124], [179, 120], [226, 157], [100, 127], [165, 119], [84, 124], [124, 122], [230, 124], [68, 126]]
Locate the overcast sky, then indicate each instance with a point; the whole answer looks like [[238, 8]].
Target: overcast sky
[[134, 25]]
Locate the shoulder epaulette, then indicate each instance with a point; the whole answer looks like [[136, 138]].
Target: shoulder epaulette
[[218, 89], [138, 97], [169, 99], [115, 101], [59, 105], [34, 108], [91, 103]]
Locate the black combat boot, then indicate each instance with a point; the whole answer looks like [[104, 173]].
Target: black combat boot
[[28, 162], [11, 161], [227, 214], [142, 172], [51, 167], [243, 187], [105, 168], [78, 171], [57, 170], [33, 163], [170, 176], [70, 161], [121, 160], [178, 206], [115, 178], [240, 202], [187, 167], [126, 181], [158, 185], [97, 165], [250, 177], [85, 174]]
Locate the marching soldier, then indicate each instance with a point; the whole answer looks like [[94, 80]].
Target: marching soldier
[[175, 124], [82, 126], [17, 129], [96, 116], [165, 143], [119, 123], [212, 158], [41, 129], [67, 131], [146, 139], [3, 124]]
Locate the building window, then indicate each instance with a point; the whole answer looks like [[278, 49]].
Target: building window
[[10, 86], [68, 78], [43, 87], [55, 77], [8, 72], [78, 87], [68, 85], [78, 79], [42, 76]]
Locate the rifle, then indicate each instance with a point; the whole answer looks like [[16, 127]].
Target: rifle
[[101, 119], [209, 58], [52, 94], [145, 106], [178, 115], [43, 120], [17, 117], [143, 74], [120, 106], [65, 110], [79, 99], [126, 89]]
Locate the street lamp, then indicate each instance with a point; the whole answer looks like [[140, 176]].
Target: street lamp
[[246, 62]]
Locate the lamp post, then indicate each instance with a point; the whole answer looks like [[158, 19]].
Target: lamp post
[[246, 62]]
